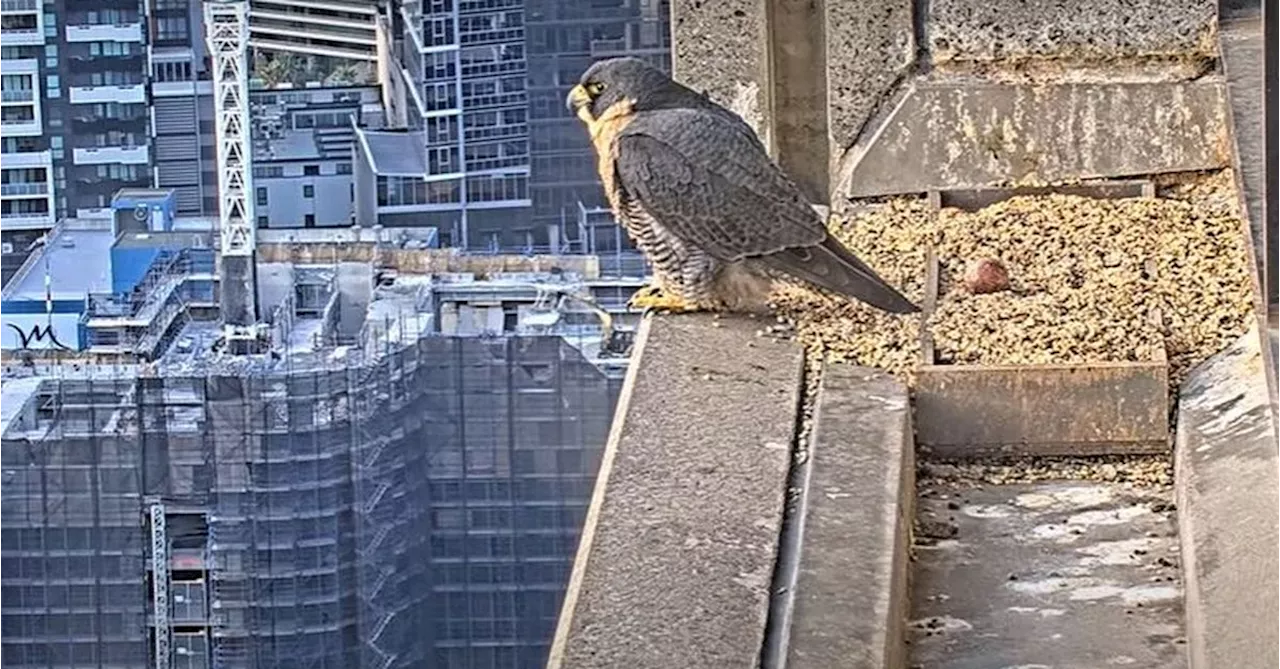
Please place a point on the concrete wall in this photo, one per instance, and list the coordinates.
(964, 30)
(275, 284)
(40, 332)
(355, 290)
(800, 71)
(795, 68)
(720, 48)
(870, 48)
(287, 205)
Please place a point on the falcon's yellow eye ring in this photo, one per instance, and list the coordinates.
(595, 88)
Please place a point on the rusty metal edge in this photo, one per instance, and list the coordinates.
(564, 622)
(1100, 189)
(1048, 368)
(931, 286)
(1031, 447)
(962, 452)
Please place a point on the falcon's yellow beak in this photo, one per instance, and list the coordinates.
(579, 102)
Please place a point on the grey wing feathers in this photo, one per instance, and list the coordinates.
(709, 184)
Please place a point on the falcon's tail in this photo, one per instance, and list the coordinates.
(829, 265)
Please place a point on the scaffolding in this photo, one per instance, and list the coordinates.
(417, 508)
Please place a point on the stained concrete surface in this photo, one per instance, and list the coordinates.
(1046, 575)
(851, 592)
(720, 47)
(870, 46)
(964, 30)
(677, 554)
(1225, 454)
(946, 135)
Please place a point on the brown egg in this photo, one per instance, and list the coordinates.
(986, 276)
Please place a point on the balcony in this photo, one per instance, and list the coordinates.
(173, 89)
(498, 36)
(492, 68)
(27, 159)
(110, 155)
(472, 103)
(17, 95)
(30, 189)
(478, 6)
(21, 66)
(19, 6)
(481, 133)
(26, 221)
(29, 127)
(126, 94)
(21, 37)
(122, 32)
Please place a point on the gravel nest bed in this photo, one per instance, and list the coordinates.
(1093, 280)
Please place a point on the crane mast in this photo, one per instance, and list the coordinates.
(227, 33)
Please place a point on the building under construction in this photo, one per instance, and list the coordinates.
(397, 480)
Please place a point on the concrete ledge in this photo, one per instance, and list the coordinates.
(677, 555)
(851, 597)
(1226, 459)
(947, 136)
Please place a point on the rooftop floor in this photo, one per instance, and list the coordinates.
(77, 270)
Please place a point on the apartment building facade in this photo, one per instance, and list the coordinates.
(111, 94)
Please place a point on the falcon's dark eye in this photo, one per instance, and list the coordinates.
(595, 88)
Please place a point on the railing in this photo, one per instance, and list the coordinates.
(492, 37)
(17, 121)
(24, 215)
(608, 46)
(500, 100)
(18, 95)
(469, 6)
(19, 6)
(491, 68)
(24, 189)
(497, 132)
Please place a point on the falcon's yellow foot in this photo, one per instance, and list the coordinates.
(654, 297)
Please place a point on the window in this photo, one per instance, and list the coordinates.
(311, 170)
(179, 71)
(171, 28)
(261, 196)
(343, 168)
(262, 221)
(308, 191)
(309, 221)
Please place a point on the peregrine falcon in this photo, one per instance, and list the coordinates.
(698, 194)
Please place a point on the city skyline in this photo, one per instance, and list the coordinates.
(103, 96)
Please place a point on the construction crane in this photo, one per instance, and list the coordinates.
(227, 34)
(612, 341)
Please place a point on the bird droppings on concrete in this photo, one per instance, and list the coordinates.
(1092, 280)
(1024, 598)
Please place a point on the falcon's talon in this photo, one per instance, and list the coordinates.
(652, 298)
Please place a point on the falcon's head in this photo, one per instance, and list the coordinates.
(625, 80)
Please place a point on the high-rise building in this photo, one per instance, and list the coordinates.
(461, 163)
(562, 39)
(27, 194)
(116, 94)
(343, 30)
